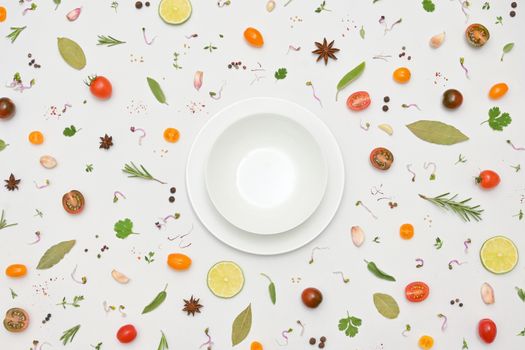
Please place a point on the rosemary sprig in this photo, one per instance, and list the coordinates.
(163, 345)
(465, 211)
(3, 222)
(109, 41)
(15, 33)
(132, 171)
(69, 335)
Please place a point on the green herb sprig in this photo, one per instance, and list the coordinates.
(350, 325)
(124, 228)
(109, 41)
(163, 345)
(280, 73)
(74, 303)
(461, 208)
(3, 222)
(497, 120)
(69, 335)
(15, 32)
(133, 171)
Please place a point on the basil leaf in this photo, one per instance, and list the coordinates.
(241, 325)
(350, 77)
(72, 53)
(156, 90)
(54, 254)
(386, 305)
(437, 132)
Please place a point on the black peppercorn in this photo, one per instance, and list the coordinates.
(173, 190)
(229, 66)
(321, 345)
(514, 5)
(147, 4)
(138, 5)
(322, 339)
(452, 302)
(460, 304)
(512, 13)
(386, 99)
(385, 108)
(172, 199)
(312, 341)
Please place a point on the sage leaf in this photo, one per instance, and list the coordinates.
(437, 132)
(350, 77)
(72, 53)
(506, 49)
(155, 303)
(386, 305)
(54, 254)
(241, 325)
(156, 90)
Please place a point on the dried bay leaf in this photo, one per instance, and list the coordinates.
(386, 305)
(53, 255)
(241, 325)
(156, 90)
(437, 132)
(72, 53)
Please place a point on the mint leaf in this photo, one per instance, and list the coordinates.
(124, 228)
(280, 73)
(497, 120)
(428, 5)
(350, 325)
(70, 131)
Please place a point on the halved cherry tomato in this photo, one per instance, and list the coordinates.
(179, 261)
(426, 342)
(36, 137)
(16, 320)
(488, 179)
(171, 135)
(401, 75)
(127, 333)
(406, 231)
(73, 202)
(381, 158)
(16, 270)
(253, 37)
(487, 330)
(417, 292)
(498, 90)
(358, 101)
(477, 34)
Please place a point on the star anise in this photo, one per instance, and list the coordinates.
(325, 51)
(192, 306)
(12, 183)
(106, 142)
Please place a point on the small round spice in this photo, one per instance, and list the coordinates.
(138, 5)
(322, 339)
(172, 199)
(147, 4)
(312, 341)
(321, 345)
(514, 5)
(460, 304)
(385, 108)
(386, 99)
(173, 190)
(512, 13)
(452, 302)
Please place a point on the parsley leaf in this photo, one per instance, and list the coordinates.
(70, 131)
(428, 5)
(280, 73)
(498, 120)
(350, 325)
(124, 228)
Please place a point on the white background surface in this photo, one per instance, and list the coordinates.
(57, 83)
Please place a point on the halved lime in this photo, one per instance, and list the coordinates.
(175, 11)
(499, 255)
(225, 279)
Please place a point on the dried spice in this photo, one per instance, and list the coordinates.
(386, 305)
(55, 254)
(12, 183)
(437, 132)
(325, 51)
(72, 53)
(192, 306)
(241, 325)
(106, 142)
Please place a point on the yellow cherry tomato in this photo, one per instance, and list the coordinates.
(406, 231)
(401, 75)
(498, 91)
(16, 270)
(179, 261)
(253, 37)
(36, 137)
(3, 13)
(426, 342)
(171, 135)
(256, 346)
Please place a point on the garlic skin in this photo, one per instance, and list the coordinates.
(487, 294)
(74, 14)
(358, 236)
(197, 80)
(386, 128)
(119, 277)
(437, 40)
(270, 5)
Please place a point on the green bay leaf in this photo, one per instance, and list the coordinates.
(437, 132)
(241, 325)
(156, 90)
(72, 53)
(350, 77)
(54, 254)
(386, 305)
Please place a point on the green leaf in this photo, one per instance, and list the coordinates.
(350, 77)
(163, 345)
(428, 5)
(350, 325)
(3, 145)
(508, 47)
(156, 90)
(437, 132)
(362, 32)
(521, 294)
(124, 228)
(280, 73)
(155, 303)
(54, 254)
(497, 120)
(241, 325)
(386, 305)
(72, 53)
(70, 131)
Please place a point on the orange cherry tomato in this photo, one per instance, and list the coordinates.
(36, 137)
(253, 37)
(16, 270)
(401, 75)
(256, 346)
(406, 231)
(171, 135)
(3, 13)
(497, 91)
(426, 342)
(179, 261)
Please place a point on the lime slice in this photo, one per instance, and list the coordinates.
(499, 255)
(225, 279)
(175, 11)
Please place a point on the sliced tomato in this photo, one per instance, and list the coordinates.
(358, 101)
(417, 292)
(73, 202)
(16, 320)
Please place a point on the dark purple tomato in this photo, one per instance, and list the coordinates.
(452, 99)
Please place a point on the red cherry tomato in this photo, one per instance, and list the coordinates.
(487, 330)
(127, 333)
(100, 87)
(73, 202)
(381, 158)
(358, 101)
(416, 292)
(488, 179)
(312, 297)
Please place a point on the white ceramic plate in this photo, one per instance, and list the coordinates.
(266, 173)
(234, 236)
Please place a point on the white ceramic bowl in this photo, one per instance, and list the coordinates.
(266, 173)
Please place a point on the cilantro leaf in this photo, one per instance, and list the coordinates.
(498, 120)
(428, 5)
(70, 131)
(350, 325)
(124, 228)
(280, 73)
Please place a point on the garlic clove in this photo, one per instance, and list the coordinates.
(119, 277)
(358, 236)
(487, 294)
(48, 162)
(270, 5)
(197, 80)
(74, 14)
(437, 40)
(386, 128)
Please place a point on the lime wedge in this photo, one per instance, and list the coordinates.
(225, 279)
(175, 11)
(499, 255)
